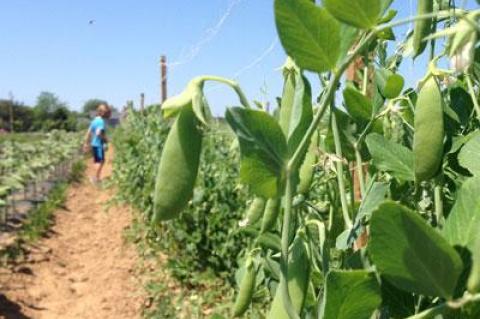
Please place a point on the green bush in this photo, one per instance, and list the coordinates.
(204, 237)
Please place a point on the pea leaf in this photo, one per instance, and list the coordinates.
(385, 4)
(398, 303)
(470, 154)
(350, 295)
(463, 223)
(263, 149)
(357, 104)
(461, 103)
(309, 34)
(391, 157)
(362, 14)
(411, 254)
(348, 38)
(302, 114)
(376, 194)
(473, 283)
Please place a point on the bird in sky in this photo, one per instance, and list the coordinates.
(91, 22)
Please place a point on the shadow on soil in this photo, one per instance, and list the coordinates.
(10, 309)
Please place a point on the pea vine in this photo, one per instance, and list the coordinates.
(365, 205)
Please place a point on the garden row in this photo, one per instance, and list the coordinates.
(29, 169)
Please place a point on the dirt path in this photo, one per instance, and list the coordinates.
(83, 270)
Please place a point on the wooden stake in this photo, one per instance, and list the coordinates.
(163, 82)
(142, 102)
(11, 111)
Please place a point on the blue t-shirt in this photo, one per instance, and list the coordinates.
(97, 127)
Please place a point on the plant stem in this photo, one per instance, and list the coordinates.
(287, 301)
(430, 312)
(471, 90)
(327, 98)
(340, 175)
(438, 14)
(440, 309)
(358, 156)
(233, 84)
(359, 166)
(438, 203)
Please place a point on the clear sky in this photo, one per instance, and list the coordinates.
(49, 45)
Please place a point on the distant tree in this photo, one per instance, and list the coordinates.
(22, 116)
(91, 105)
(47, 104)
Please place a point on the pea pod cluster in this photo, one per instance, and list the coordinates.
(255, 211)
(178, 167)
(297, 280)
(429, 131)
(270, 216)
(422, 27)
(308, 167)
(246, 289)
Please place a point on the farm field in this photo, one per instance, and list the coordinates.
(84, 273)
(347, 190)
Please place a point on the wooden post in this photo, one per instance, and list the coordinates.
(142, 102)
(10, 109)
(353, 76)
(163, 74)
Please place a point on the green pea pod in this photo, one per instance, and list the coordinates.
(288, 95)
(272, 210)
(178, 167)
(429, 131)
(246, 289)
(255, 211)
(175, 104)
(298, 279)
(473, 284)
(269, 241)
(308, 166)
(422, 27)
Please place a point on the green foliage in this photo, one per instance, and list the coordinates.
(389, 226)
(40, 220)
(48, 114)
(92, 105)
(463, 223)
(391, 157)
(351, 295)
(263, 147)
(411, 254)
(308, 33)
(359, 13)
(204, 236)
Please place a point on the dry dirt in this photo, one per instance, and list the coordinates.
(84, 269)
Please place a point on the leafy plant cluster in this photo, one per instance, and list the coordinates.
(47, 114)
(389, 224)
(24, 166)
(205, 236)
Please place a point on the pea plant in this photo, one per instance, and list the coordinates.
(364, 194)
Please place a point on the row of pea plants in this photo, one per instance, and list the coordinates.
(364, 195)
(204, 238)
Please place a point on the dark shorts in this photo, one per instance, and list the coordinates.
(98, 154)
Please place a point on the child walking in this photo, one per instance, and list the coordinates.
(96, 140)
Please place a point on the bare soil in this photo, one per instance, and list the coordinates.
(82, 269)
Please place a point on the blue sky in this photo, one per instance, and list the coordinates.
(49, 45)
